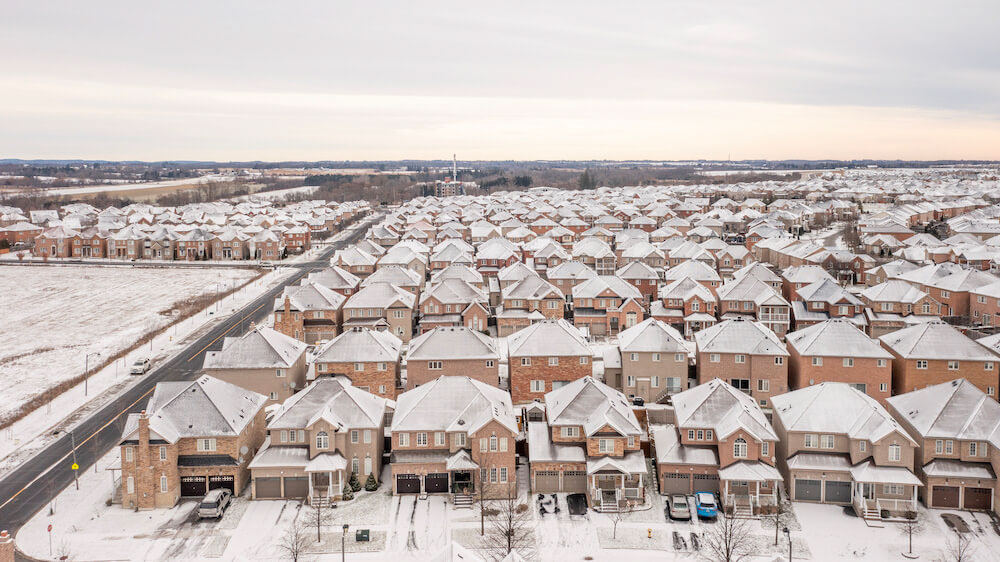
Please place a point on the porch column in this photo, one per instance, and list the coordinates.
(914, 506)
(309, 477)
(329, 484)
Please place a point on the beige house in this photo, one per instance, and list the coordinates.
(383, 307)
(453, 352)
(318, 439)
(262, 360)
(191, 438)
(654, 362)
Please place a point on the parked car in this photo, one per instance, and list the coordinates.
(678, 508)
(705, 505)
(214, 504)
(140, 366)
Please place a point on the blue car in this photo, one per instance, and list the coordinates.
(705, 505)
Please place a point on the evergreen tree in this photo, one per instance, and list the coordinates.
(371, 484)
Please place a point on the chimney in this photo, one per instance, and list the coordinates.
(6, 547)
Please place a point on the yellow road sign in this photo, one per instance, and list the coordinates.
(75, 466)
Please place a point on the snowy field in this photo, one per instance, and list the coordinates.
(55, 316)
(405, 528)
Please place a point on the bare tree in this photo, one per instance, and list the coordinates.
(617, 516)
(293, 542)
(319, 515)
(958, 549)
(483, 494)
(913, 524)
(729, 540)
(510, 526)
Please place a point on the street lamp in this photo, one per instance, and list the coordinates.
(86, 370)
(788, 535)
(343, 541)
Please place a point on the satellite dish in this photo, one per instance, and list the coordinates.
(244, 450)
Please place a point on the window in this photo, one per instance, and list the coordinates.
(631, 441)
(690, 435)
(398, 314)
(713, 357)
(921, 364)
(526, 361)
(988, 366)
(537, 386)
(404, 439)
(983, 449)
(763, 385)
(383, 366)
(701, 435)
(130, 485)
(284, 436)
(128, 454)
(989, 390)
(826, 442)
(886, 306)
(381, 389)
(206, 444)
(630, 380)
(859, 386)
(483, 444)
(817, 361)
(765, 449)
(880, 363)
(163, 483)
(460, 440)
(493, 475)
(740, 448)
(848, 361)
(945, 294)
(949, 447)
(493, 443)
(862, 446)
(503, 473)
(972, 449)
(811, 441)
(938, 447)
(434, 365)
(895, 453)
(439, 439)
(359, 366)
(584, 360)
(708, 434)
(354, 465)
(654, 381)
(503, 444)
(368, 436)
(570, 431)
(952, 365)
(892, 489)
(605, 446)
(273, 395)
(553, 361)
(679, 357)
(634, 357)
(489, 363)
(656, 357)
(421, 439)
(163, 453)
(779, 360)
(280, 373)
(354, 436)
(741, 358)
(883, 387)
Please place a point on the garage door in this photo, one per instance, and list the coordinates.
(706, 483)
(674, 483)
(944, 496)
(296, 486)
(436, 483)
(808, 490)
(838, 492)
(977, 498)
(227, 482)
(193, 486)
(546, 481)
(575, 481)
(407, 484)
(267, 488)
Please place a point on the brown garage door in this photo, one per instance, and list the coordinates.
(296, 486)
(407, 484)
(706, 483)
(944, 496)
(193, 486)
(977, 498)
(227, 482)
(546, 481)
(675, 483)
(575, 481)
(267, 488)
(436, 483)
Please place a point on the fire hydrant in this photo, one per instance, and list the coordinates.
(649, 533)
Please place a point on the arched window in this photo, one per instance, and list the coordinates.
(740, 448)
(322, 440)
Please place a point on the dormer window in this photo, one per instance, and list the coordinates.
(322, 440)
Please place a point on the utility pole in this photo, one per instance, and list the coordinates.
(76, 473)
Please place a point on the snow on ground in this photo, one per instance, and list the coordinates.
(133, 186)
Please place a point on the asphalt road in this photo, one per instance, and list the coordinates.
(30, 487)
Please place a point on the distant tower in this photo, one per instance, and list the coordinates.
(454, 167)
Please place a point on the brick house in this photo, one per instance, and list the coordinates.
(747, 355)
(949, 284)
(317, 440)
(895, 304)
(837, 351)
(453, 302)
(796, 277)
(545, 356)
(454, 436)
(530, 300)
(654, 362)
(89, 243)
(20, 233)
(369, 358)
(569, 274)
(336, 279)
(397, 276)
(454, 351)
(825, 299)
(686, 305)
(606, 305)
(935, 352)
(954, 424)
(984, 304)
(297, 239)
(643, 277)
(230, 244)
(262, 360)
(837, 444)
(384, 306)
(309, 312)
(719, 441)
(590, 444)
(355, 260)
(750, 297)
(193, 436)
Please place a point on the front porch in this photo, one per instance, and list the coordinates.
(883, 492)
(749, 489)
(327, 475)
(616, 482)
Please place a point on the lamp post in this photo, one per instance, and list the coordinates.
(343, 541)
(86, 371)
(788, 535)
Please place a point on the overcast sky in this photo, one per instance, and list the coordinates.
(500, 80)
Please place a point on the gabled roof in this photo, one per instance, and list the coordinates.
(828, 291)
(936, 340)
(452, 343)
(260, 348)
(717, 405)
(836, 337)
(548, 338)
(380, 295)
(360, 345)
(951, 410)
(894, 290)
(594, 288)
(836, 407)
(453, 404)
(593, 405)
(651, 335)
(739, 336)
(335, 400)
(532, 287)
(309, 295)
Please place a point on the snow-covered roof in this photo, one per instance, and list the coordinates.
(651, 335)
(260, 348)
(548, 338)
(453, 403)
(335, 400)
(669, 449)
(951, 410)
(542, 449)
(936, 340)
(360, 345)
(835, 407)
(739, 336)
(836, 337)
(453, 342)
(593, 405)
(718, 406)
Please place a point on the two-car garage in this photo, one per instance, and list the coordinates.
(431, 483)
(958, 497)
(552, 481)
(828, 491)
(270, 488)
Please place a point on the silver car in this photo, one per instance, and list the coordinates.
(214, 504)
(679, 509)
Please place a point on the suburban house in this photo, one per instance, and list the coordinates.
(751, 297)
(369, 358)
(654, 362)
(823, 300)
(193, 436)
(687, 305)
(337, 279)
(606, 305)
(955, 424)
(262, 360)
(309, 312)
(837, 351)
(381, 306)
(719, 441)
(839, 445)
(453, 302)
(569, 274)
(895, 304)
(747, 355)
(452, 352)
(456, 436)
(545, 356)
(935, 352)
(317, 439)
(590, 444)
(528, 301)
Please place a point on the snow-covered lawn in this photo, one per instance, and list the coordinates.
(54, 316)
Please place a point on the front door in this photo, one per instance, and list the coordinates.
(868, 491)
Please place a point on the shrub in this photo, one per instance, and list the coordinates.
(355, 485)
(371, 484)
(348, 492)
